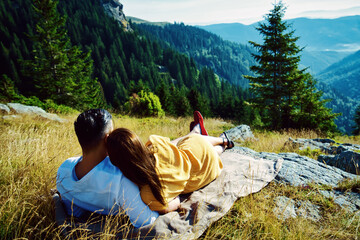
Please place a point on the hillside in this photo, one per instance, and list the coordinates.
(318, 36)
(230, 61)
(340, 103)
(344, 76)
(124, 61)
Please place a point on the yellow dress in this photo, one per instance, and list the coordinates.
(184, 168)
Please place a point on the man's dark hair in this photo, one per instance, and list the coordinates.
(91, 127)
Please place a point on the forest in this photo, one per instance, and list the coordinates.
(183, 68)
(125, 63)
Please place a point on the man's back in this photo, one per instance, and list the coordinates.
(103, 190)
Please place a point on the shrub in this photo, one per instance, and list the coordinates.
(144, 104)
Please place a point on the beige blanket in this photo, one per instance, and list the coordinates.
(241, 176)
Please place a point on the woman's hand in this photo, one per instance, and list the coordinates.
(172, 206)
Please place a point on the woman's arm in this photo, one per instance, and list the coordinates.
(172, 206)
(130, 201)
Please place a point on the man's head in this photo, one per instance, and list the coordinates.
(91, 127)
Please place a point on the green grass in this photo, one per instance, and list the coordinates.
(32, 150)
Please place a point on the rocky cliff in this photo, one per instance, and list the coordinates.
(115, 9)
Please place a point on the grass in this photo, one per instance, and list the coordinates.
(33, 149)
(274, 141)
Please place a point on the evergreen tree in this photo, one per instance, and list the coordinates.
(61, 72)
(283, 92)
(357, 122)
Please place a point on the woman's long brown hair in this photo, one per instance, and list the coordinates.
(137, 163)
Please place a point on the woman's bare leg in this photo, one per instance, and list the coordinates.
(219, 143)
(196, 130)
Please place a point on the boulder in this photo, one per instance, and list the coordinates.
(345, 156)
(289, 208)
(348, 200)
(240, 133)
(4, 109)
(34, 111)
(346, 160)
(285, 208)
(300, 171)
(23, 109)
(324, 145)
(308, 210)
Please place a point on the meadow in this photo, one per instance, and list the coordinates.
(32, 149)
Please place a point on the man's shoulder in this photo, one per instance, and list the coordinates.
(70, 162)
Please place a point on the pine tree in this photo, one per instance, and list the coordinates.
(283, 92)
(61, 72)
(357, 122)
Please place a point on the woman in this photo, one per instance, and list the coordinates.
(164, 169)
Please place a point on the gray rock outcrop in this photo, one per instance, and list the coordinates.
(289, 208)
(114, 9)
(21, 109)
(299, 170)
(347, 160)
(324, 145)
(240, 133)
(348, 200)
(4, 109)
(342, 155)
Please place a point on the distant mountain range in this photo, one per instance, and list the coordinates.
(326, 41)
(231, 61)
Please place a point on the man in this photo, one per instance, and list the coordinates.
(91, 182)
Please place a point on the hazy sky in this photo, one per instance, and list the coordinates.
(202, 12)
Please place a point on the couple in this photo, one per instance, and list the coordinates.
(118, 173)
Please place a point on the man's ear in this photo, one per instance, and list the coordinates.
(106, 137)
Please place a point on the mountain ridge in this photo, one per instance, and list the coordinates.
(316, 35)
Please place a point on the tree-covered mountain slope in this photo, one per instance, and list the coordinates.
(124, 62)
(344, 76)
(230, 61)
(326, 41)
(341, 103)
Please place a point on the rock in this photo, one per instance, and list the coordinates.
(344, 156)
(285, 208)
(23, 109)
(35, 111)
(349, 200)
(288, 208)
(10, 117)
(4, 109)
(241, 132)
(116, 3)
(324, 145)
(308, 210)
(322, 140)
(114, 9)
(346, 160)
(300, 170)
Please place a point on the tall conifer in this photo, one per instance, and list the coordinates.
(283, 92)
(61, 72)
(357, 122)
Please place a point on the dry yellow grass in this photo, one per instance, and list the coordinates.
(33, 149)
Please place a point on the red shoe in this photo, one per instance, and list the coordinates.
(198, 119)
